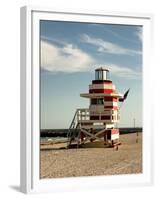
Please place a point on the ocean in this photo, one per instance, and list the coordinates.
(55, 139)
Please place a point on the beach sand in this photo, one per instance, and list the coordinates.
(93, 159)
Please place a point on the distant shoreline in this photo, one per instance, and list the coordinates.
(63, 132)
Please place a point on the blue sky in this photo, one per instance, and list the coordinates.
(71, 51)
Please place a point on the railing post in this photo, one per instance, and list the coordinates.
(100, 116)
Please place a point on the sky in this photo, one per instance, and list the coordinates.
(69, 54)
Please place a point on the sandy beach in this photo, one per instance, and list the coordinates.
(93, 159)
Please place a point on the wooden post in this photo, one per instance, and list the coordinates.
(105, 138)
(137, 137)
(78, 138)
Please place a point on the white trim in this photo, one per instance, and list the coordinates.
(36, 100)
(92, 95)
(26, 116)
(30, 181)
(147, 16)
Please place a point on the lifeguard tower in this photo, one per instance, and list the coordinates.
(99, 121)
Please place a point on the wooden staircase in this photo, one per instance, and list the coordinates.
(73, 132)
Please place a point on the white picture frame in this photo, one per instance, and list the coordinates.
(30, 180)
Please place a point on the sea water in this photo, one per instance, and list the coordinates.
(55, 139)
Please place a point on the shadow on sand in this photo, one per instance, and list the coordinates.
(15, 187)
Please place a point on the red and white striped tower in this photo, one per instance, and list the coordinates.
(103, 112)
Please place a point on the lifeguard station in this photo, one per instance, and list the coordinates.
(99, 121)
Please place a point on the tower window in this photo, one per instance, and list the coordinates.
(98, 101)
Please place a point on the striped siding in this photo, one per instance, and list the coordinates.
(108, 91)
(107, 106)
(108, 111)
(110, 98)
(111, 107)
(110, 103)
(114, 136)
(102, 86)
(115, 131)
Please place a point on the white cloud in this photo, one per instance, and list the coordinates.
(108, 47)
(64, 59)
(71, 59)
(123, 72)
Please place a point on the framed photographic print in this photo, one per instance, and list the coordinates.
(85, 112)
